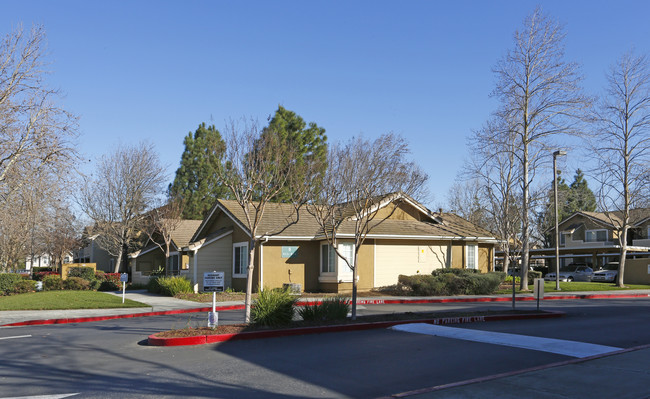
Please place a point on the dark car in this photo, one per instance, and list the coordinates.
(607, 274)
(573, 272)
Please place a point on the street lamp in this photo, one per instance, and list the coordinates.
(557, 232)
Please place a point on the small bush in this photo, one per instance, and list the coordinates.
(76, 284)
(86, 273)
(532, 275)
(8, 282)
(38, 276)
(335, 308)
(169, 286)
(109, 281)
(457, 272)
(24, 286)
(52, 283)
(273, 308)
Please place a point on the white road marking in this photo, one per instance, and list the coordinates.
(17, 336)
(61, 396)
(558, 346)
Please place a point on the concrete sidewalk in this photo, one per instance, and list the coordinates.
(623, 374)
(158, 303)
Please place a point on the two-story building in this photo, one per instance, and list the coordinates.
(593, 238)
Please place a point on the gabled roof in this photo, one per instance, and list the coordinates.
(180, 236)
(613, 219)
(279, 222)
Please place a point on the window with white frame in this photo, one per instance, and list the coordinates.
(596, 235)
(472, 256)
(334, 266)
(239, 259)
(563, 237)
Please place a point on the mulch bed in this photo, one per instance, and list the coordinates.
(240, 328)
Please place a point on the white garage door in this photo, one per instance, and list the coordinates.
(391, 260)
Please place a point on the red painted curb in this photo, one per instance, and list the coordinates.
(208, 339)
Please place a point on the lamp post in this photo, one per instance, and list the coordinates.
(557, 232)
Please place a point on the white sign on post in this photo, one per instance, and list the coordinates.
(213, 282)
(124, 278)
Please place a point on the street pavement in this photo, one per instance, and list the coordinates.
(577, 378)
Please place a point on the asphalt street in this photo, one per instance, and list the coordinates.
(110, 359)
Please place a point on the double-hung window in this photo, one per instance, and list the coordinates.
(334, 267)
(239, 259)
(472, 256)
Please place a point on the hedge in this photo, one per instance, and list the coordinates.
(446, 283)
(8, 281)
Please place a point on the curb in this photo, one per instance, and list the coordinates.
(304, 303)
(153, 340)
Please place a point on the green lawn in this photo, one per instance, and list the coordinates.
(574, 286)
(58, 300)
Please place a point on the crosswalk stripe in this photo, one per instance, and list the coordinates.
(557, 346)
(17, 336)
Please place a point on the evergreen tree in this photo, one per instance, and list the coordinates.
(309, 140)
(580, 198)
(196, 178)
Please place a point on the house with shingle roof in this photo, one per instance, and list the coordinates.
(294, 249)
(151, 256)
(592, 238)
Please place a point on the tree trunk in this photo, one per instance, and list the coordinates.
(525, 226)
(354, 288)
(118, 262)
(621, 261)
(249, 280)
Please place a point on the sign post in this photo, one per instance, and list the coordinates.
(124, 277)
(538, 291)
(213, 282)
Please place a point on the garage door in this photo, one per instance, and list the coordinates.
(391, 260)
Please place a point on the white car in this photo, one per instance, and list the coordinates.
(573, 272)
(607, 274)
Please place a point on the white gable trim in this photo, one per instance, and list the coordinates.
(223, 209)
(195, 246)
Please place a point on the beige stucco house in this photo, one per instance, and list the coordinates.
(411, 240)
(151, 256)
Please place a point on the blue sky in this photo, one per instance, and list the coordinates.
(154, 70)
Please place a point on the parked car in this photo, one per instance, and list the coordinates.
(607, 273)
(573, 272)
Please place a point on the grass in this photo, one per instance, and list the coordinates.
(61, 300)
(575, 286)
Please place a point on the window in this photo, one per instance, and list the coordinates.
(173, 265)
(329, 260)
(648, 235)
(239, 259)
(595, 235)
(472, 256)
(563, 237)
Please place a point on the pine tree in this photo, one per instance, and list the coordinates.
(580, 198)
(311, 142)
(196, 180)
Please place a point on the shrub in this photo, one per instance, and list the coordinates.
(86, 273)
(453, 283)
(38, 276)
(76, 284)
(532, 275)
(273, 308)
(37, 269)
(8, 281)
(24, 286)
(457, 272)
(335, 308)
(170, 286)
(52, 283)
(109, 281)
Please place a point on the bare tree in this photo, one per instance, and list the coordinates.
(495, 170)
(362, 177)
(35, 133)
(61, 233)
(125, 185)
(258, 168)
(541, 98)
(465, 198)
(622, 145)
(161, 222)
